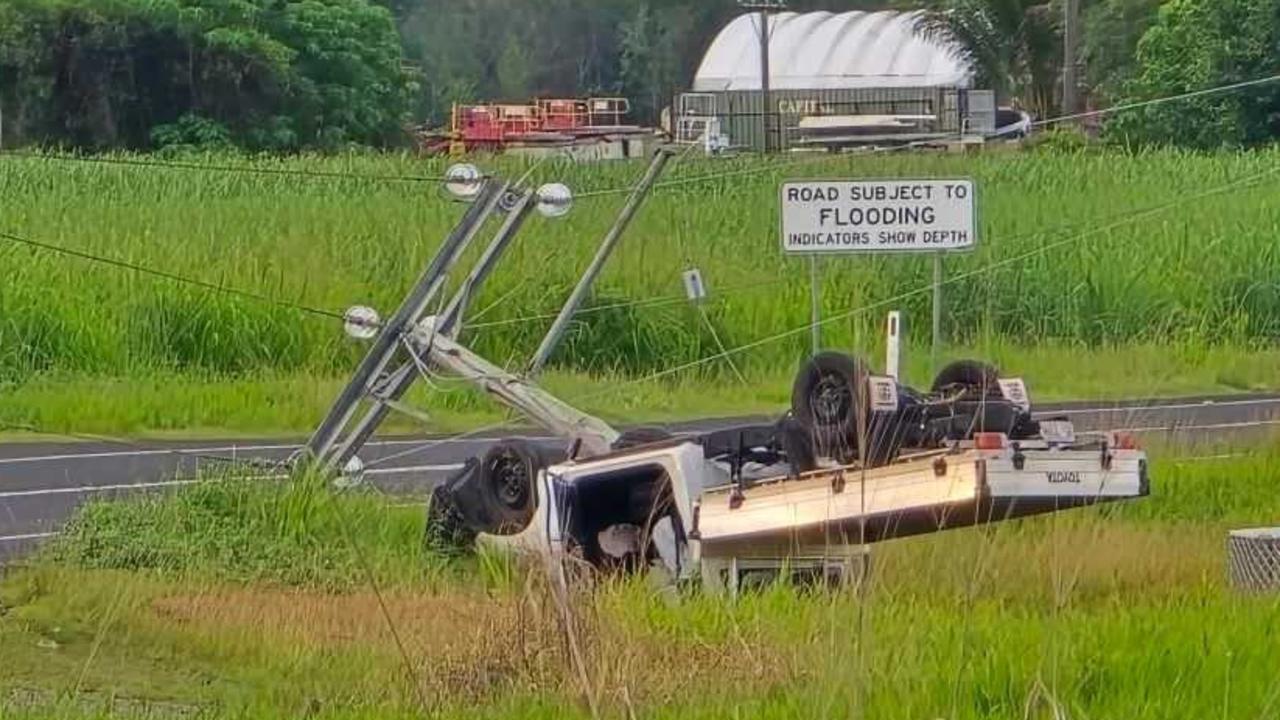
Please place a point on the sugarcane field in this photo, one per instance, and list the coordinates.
(639, 359)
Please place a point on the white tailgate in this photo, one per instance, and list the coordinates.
(1066, 473)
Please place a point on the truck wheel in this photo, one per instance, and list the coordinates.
(507, 474)
(636, 437)
(447, 533)
(969, 374)
(827, 399)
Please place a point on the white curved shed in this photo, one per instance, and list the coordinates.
(822, 50)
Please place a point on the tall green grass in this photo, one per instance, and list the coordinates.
(238, 528)
(1118, 611)
(1205, 271)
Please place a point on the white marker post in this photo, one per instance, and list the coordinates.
(815, 305)
(694, 288)
(893, 346)
(938, 216)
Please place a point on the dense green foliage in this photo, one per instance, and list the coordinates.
(268, 75)
(256, 73)
(647, 50)
(1013, 44)
(1110, 36)
(1197, 44)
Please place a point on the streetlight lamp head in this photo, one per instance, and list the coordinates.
(555, 200)
(463, 181)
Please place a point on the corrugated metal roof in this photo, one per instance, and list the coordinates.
(822, 50)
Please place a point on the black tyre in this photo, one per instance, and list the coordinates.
(970, 375)
(506, 483)
(635, 437)
(447, 532)
(828, 400)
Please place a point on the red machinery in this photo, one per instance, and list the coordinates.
(553, 122)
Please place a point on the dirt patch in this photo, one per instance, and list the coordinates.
(1071, 560)
(476, 644)
(322, 619)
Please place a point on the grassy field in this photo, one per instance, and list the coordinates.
(235, 600)
(1138, 263)
(289, 405)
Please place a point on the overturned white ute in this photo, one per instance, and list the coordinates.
(858, 459)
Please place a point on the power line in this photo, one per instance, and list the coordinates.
(709, 177)
(324, 174)
(1158, 101)
(143, 270)
(213, 287)
(752, 170)
(200, 167)
(379, 177)
(648, 302)
(435, 442)
(1127, 219)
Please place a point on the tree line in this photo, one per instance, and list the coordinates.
(285, 75)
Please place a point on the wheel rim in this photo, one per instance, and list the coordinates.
(510, 479)
(831, 400)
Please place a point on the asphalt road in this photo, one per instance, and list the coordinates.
(42, 483)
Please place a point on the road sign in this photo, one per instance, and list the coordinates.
(877, 216)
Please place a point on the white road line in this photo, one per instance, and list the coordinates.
(454, 441)
(86, 489)
(1216, 426)
(240, 448)
(142, 453)
(1157, 408)
(1210, 458)
(30, 536)
(416, 468)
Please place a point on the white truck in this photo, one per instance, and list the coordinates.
(859, 459)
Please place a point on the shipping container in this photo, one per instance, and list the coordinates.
(836, 117)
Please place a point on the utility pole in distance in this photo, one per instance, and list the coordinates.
(765, 8)
(1070, 50)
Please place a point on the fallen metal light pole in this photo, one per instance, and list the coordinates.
(421, 341)
(387, 393)
(386, 344)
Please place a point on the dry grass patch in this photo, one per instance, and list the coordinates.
(1066, 559)
(471, 645)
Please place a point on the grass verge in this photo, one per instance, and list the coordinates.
(292, 404)
(243, 600)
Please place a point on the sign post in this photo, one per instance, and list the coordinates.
(815, 305)
(936, 347)
(833, 217)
